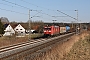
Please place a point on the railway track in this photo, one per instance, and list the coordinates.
(29, 47)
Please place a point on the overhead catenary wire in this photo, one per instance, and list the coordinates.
(26, 7)
(6, 4)
(66, 14)
(36, 10)
(16, 4)
(14, 11)
(35, 5)
(38, 6)
(50, 10)
(21, 6)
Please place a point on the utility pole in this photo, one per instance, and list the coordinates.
(72, 23)
(80, 27)
(29, 27)
(77, 26)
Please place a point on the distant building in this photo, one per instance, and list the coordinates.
(9, 31)
(19, 30)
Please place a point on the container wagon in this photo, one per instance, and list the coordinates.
(68, 29)
(62, 30)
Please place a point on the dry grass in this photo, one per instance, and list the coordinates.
(80, 50)
(4, 41)
(60, 51)
(9, 40)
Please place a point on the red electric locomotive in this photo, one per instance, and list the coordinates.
(51, 30)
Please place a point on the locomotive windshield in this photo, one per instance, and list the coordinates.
(47, 28)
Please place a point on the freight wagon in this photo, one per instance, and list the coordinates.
(68, 29)
(62, 30)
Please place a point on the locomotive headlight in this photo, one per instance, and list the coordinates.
(44, 31)
(49, 31)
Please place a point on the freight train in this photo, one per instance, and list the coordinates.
(56, 30)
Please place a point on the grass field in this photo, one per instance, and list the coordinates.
(80, 50)
(9, 40)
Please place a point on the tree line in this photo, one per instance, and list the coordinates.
(1, 27)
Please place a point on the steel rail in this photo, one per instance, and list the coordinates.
(6, 48)
(16, 48)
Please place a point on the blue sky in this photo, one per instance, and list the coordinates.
(17, 10)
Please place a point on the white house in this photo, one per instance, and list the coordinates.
(9, 31)
(20, 30)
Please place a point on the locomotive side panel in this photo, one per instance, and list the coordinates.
(55, 30)
(52, 30)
